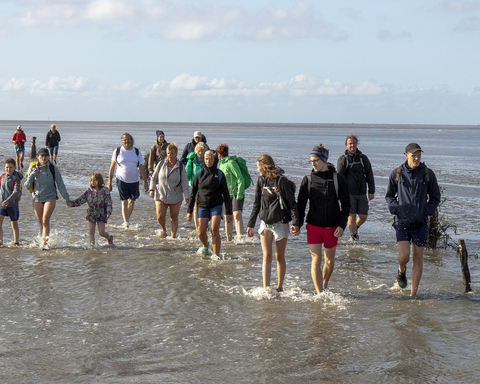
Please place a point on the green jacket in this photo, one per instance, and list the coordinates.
(192, 167)
(233, 175)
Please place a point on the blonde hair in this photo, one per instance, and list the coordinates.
(269, 165)
(172, 147)
(200, 146)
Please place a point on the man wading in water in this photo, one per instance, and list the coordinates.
(412, 196)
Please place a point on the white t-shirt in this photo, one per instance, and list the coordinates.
(127, 165)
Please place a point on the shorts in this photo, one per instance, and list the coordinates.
(128, 191)
(208, 213)
(416, 233)
(321, 235)
(280, 230)
(359, 204)
(237, 204)
(19, 148)
(12, 212)
(53, 151)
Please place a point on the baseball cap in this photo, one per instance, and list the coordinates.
(412, 148)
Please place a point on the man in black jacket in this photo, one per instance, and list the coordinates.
(357, 170)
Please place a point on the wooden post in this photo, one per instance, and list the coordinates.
(463, 253)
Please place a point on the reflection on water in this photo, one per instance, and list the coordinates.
(152, 310)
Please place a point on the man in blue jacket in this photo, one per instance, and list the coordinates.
(412, 196)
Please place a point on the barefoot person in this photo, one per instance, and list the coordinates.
(99, 207)
(271, 186)
(412, 195)
(169, 185)
(357, 170)
(326, 219)
(10, 194)
(126, 159)
(43, 179)
(210, 186)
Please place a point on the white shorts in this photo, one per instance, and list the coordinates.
(280, 230)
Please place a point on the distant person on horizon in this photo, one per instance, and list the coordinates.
(357, 170)
(18, 141)
(126, 159)
(51, 143)
(190, 147)
(158, 152)
(412, 195)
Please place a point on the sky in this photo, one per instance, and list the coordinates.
(342, 61)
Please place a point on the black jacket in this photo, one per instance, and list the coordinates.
(324, 210)
(414, 196)
(358, 176)
(190, 147)
(210, 190)
(264, 198)
(52, 139)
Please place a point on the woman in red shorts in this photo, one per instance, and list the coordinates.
(326, 218)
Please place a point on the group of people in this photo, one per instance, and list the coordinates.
(212, 183)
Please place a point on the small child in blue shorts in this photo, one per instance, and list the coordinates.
(10, 193)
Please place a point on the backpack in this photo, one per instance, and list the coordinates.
(335, 183)
(277, 211)
(242, 164)
(117, 151)
(14, 181)
(399, 172)
(52, 171)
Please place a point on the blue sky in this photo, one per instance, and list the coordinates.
(391, 61)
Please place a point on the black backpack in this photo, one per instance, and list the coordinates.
(278, 210)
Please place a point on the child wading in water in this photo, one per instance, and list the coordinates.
(99, 207)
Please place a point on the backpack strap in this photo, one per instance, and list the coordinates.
(397, 175)
(335, 183)
(117, 151)
(52, 170)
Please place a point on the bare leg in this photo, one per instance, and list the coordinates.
(102, 232)
(417, 269)
(127, 209)
(202, 230)
(403, 254)
(216, 240)
(161, 214)
(91, 233)
(360, 220)
(280, 246)
(1, 228)
(237, 216)
(21, 158)
(15, 231)
(229, 230)
(266, 238)
(44, 212)
(329, 264)
(352, 225)
(174, 212)
(316, 267)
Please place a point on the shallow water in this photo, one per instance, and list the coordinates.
(152, 310)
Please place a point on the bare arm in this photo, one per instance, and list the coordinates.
(110, 175)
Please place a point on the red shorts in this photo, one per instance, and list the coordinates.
(321, 235)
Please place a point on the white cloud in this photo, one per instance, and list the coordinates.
(385, 35)
(468, 24)
(461, 6)
(178, 20)
(53, 86)
(100, 10)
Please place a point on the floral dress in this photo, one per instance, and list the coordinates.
(99, 204)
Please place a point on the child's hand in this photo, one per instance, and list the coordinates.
(70, 204)
(5, 203)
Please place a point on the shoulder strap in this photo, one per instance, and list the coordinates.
(52, 170)
(117, 151)
(397, 175)
(1, 176)
(335, 183)
(427, 174)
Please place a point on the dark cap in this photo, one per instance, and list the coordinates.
(412, 148)
(42, 151)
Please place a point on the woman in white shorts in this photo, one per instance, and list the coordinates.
(276, 206)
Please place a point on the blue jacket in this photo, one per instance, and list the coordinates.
(412, 198)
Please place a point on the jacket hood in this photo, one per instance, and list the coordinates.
(410, 170)
(192, 156)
